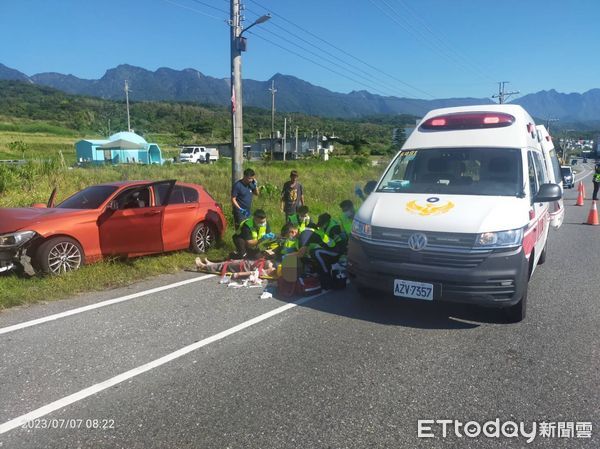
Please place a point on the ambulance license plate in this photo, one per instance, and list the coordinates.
(415, 290)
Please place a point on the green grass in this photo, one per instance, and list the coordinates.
(325, 184)
(37, 127)
(39, 145)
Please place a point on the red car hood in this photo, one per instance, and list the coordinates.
(20, 218)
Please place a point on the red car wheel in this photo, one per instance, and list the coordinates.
(203, 238)
(59, 255)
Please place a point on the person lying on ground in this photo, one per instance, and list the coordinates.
(240, 268)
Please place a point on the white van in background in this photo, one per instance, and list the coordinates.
(557, 208)
(461, 214)
(200, 155)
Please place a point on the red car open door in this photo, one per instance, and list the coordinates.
(132, 223)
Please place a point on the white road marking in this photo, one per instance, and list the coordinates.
(109, 302)
(86, 392)
(583, 177)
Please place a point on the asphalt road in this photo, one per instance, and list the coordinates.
(332, 372)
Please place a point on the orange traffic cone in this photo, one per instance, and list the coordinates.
(579, 197)
(593, 216)
(582, 188)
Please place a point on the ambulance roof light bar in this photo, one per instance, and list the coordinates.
(468, 120)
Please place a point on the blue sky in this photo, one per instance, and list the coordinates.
(413, 48)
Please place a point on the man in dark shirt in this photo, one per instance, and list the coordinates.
(241, 196)
(292, 195)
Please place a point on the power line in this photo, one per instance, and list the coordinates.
(397, 18)
(443, 40)
(208, 5)
(295, 53)
(355, 73)
(193, 9)
(355, 69)
(378, 70)
(367, 85)
(317, 63)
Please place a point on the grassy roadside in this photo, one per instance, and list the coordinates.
(43, 141)
(325, 184)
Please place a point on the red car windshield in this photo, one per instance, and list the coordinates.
(90, 198)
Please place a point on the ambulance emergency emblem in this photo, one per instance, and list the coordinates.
(432, 207)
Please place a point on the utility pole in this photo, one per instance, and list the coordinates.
(238, 45)
(127, 101)
(284, 136)
(273, 91)
(237, 127)
(296, 147)
(502, 95)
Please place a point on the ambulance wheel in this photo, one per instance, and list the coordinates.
(364, 292)
(516, 313)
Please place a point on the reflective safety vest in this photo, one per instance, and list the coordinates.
(326, 241)
(295, 220)
(257, 234)
(289, 246)
(596, 177)
(340, 238)
(324, 237)
(346, 224)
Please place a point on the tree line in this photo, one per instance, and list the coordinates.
(176, 122)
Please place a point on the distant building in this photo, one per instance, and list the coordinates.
(120, 148)
(307, 146)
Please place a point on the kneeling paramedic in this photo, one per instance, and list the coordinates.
(348, 212)
(289, 240)
(301, 219)
(251, 234)
(332, 229)
(317, 249)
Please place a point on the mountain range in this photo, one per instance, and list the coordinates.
(293, 94)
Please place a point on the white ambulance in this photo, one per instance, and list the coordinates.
(557, 208)
(461, 214)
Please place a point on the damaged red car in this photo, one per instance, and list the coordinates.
(120, 219)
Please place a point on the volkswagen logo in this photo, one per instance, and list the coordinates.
(417, 241)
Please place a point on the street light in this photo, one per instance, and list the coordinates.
(238, 45)
(261, 19)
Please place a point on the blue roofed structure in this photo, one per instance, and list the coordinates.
(121, 148)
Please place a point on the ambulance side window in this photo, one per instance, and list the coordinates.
(539, 168)
(533, 185)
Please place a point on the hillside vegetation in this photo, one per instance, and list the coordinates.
(29, 108)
